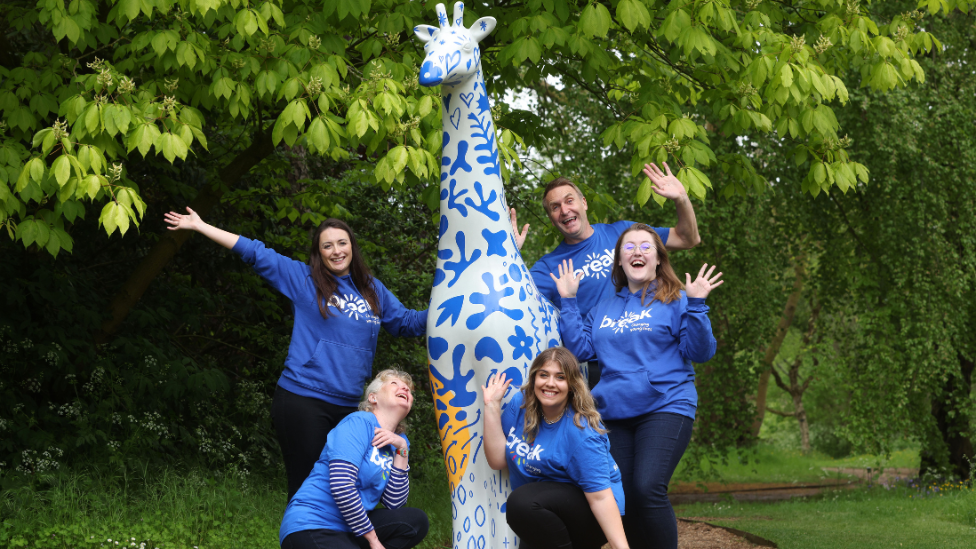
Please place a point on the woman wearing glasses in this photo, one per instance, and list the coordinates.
(646, 336)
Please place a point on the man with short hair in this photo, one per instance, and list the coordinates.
(591, 246)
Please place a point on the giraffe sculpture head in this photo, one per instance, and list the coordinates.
(452, 52)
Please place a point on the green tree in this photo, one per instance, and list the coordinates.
(896, 259)
(91, 88)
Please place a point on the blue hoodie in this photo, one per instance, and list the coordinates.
(646, 352)
(330, 359)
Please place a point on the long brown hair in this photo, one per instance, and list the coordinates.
(580, 399)
(326, 283)
(668, 285)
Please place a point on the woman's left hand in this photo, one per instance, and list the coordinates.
(382, 437)
(704, 284)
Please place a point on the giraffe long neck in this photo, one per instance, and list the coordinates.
(469, 153)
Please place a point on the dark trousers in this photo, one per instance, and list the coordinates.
(647, 449)
(401, 528)
(301, 425)
(553, 515)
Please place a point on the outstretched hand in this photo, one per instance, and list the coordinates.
(568, 283)
(704, 284)
(178, 222)
(495, 389)
(519, 237)
(663, 183)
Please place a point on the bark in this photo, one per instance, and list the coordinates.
(170, 241)
(784, 325)
(952, 447)
(797, 386)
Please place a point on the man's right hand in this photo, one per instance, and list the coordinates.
(519, 238)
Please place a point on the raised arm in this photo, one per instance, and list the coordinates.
(684, 234)
(192, 222)
(696, 342)
(573, 330)
(494, 438)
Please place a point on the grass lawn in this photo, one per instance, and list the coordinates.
(764, 463)
(855, 519)
(167, 508)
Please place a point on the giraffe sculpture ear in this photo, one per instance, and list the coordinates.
(425, 32)
(482, 28)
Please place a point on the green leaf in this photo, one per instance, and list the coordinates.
(595, 20)
(643, 192)
(819, 172)
(62, 170)
(633, 15)
(36, 166)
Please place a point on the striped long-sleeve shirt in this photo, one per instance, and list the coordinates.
(342, 476)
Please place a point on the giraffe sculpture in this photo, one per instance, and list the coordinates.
(486, 314)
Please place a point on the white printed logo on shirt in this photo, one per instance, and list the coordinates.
(354, 306)
(385, 462)
(597, 265)
(518, 448)
(628, 322)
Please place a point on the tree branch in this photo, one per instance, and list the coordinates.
(171, 241)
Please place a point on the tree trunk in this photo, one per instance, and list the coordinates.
(801, 418)
(169, 242)
(784, 324)
(952, 447)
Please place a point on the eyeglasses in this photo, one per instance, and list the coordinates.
(630, 247)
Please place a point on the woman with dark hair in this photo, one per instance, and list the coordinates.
(646, 336)
(566, 487)
(339, 308)
(363, 464)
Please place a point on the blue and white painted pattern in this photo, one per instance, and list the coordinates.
(486, 314)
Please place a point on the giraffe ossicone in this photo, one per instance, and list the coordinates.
(486, 314)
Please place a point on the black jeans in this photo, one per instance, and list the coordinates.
(301, 425)
(647, 449)
(553, 515)
(401, 528)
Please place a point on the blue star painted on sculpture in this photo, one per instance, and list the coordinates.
(496, 242)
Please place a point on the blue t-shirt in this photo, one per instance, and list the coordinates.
(593, 257)
(313, 507)
(561, 452)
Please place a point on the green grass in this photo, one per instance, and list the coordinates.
(168, 508)
(855, 519)
(765, 463)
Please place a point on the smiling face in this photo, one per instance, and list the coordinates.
(567, 212)
(638, 258)
(395, 393)
(336, 251)
(551, 387)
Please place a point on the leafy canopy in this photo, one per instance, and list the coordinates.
(87, 87)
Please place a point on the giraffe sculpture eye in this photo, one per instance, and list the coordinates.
(468, 47)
